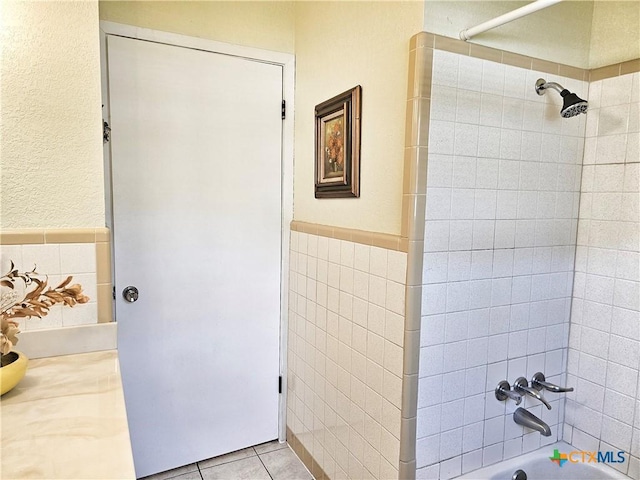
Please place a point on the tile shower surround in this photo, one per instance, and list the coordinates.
(604, 344)
(345, 354)
(503, 186)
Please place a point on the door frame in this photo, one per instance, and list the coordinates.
(287, 62)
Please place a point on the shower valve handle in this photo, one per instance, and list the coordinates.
(539, 382)
(503, 391)
(521, 385)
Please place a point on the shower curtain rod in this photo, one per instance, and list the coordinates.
(506, 18)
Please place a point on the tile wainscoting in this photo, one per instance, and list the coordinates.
(85, 254)
(345, 353)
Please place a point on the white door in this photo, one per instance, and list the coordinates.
(196, 165)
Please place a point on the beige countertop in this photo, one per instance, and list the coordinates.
(66, 420)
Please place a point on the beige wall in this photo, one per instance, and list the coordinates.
(583, 34)
(51, 149)
(338, 46)
(560, 33)
(51, 153)
(50, 133)
(615, 33)
(362, 43)
(260, 24)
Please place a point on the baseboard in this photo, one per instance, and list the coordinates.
(306, 457)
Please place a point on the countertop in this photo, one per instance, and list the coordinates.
(66, 420)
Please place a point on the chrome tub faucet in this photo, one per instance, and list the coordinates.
(503, 391)
(521, 386)
(527, 419)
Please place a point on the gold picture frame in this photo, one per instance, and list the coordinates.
(337, 155)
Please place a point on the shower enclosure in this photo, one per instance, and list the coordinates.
(528, 257)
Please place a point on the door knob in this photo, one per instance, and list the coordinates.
(130, 294)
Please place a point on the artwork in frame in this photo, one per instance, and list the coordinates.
(338, 145)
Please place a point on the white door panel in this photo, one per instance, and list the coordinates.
(196, 164)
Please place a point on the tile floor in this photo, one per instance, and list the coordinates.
(269, 461)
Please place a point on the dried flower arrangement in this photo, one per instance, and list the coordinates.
(20, 300)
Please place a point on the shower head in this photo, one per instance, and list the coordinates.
(572, 104)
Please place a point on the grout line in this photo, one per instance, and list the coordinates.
(199, 471)
(265, 467)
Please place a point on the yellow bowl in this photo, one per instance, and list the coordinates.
(12, 373)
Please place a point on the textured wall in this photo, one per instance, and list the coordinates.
(501, 214)
(615, 33)
(585, 34)
(604, 346)
(51, 154)
(260, 24)
(565, 28)
(340, 45)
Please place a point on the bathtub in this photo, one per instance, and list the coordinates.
(538, 466)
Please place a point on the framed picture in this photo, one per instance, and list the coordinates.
(338, 145)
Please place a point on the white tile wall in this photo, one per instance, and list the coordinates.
(346, 332)
(57, 261)
(502, 206)
(604, 354)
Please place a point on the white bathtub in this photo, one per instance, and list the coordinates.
(538, 466)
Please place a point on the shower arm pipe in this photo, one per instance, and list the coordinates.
(556, 86)
(468, 33)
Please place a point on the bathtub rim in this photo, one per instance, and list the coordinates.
(514, 463)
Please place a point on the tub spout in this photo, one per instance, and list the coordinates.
(527, 419)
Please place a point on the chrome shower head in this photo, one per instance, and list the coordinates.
(572, 104)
